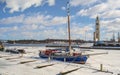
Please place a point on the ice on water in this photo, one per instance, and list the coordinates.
(111, 62)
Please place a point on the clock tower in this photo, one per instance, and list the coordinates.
(97, 30)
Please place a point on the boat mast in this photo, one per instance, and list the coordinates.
(68, 17)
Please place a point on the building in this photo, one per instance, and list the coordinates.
(118, 37)
(97, 30)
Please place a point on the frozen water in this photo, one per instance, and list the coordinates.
(110, 61)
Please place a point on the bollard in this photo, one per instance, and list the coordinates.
(101, 67)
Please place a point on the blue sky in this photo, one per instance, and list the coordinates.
(42, 19)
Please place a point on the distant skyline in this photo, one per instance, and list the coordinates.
(42, 19)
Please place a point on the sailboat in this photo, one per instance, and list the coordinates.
(65, 55)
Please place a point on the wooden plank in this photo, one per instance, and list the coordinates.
(4, 56)
(23, 62)
(14, 58)
(64, 73)
(105, 71)
(42, 66)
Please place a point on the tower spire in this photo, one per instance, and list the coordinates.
(97, 30)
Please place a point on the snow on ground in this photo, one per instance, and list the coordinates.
(110, 61)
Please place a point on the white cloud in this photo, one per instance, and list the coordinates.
(4, 29)
(33, 26)
(81, 2)
(111, 25)
(97, 9)
(63, 8)
(35, 31)
(81, 30)
(108, 27)
(8, 29)
(27, 34)
(111, 14)
(42, 25)
(58, 20)
(113, 4)
(46, 20)
(107, 9)
(30, 27)
(39, 19)
(51, 2)
(21, 5)
(78, 31)
(15, 28)
(56, 33)
(11, 20)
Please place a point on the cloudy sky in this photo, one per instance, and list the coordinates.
(42, 19)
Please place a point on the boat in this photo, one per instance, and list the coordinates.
(68, 55)
(15, 51)
(64, 56)
(1, 47)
